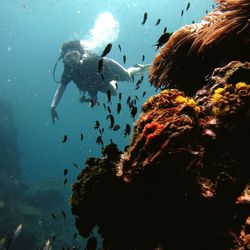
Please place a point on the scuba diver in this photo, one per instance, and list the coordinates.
(91, 73)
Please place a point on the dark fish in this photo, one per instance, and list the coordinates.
(143, 58)
(133, 111)
(124, 59)
(193, 22)
(128, 100)
(144, 93)
(119, 107)
(109, 96)
(136, 97)
(65, 172)
(64, 214)
(74, 237)
(188, 6)
(101, 131)
(91, 244)
(127, 130)
(206, 11)
(213, 6)
(53, 237)
(120, 96)
(112, 121)
(65, 181)
(120, 48)
(116, 127)
(144, 18)
(99, 140)
(158, 22)
(81, 136)
(182, 12)
(104, 105)
(106, 50)
(165, 30)
(133, 78)
(65, 138)
(75, 165)
(162, 40)
(53, 216)
(100, 65)
(97, 125)
(109, 109)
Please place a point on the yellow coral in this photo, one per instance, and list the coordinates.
(189, 101)
(241, 85)
(216, 98)
(219, 91)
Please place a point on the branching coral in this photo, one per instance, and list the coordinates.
(193, 51)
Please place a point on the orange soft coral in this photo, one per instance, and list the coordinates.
(193, 51)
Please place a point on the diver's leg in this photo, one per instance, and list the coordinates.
(138, 69)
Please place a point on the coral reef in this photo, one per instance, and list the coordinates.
(183, 182)
(193, 51)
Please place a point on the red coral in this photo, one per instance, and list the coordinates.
(152, 131)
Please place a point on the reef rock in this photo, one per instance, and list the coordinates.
(183, 182)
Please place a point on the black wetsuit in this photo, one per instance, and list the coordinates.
(88, 79)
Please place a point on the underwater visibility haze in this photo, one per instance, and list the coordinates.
(39, 161)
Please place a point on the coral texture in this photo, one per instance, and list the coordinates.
(183, 182)
(193, 51)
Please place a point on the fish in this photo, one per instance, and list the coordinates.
(162, 40)
(91, 244)
(75, 165)
(65, 181)
(128, 100)
(47, 245)
(193, 22)
(104, 105)
(64, 214)
(81, 136)
(124, 59)
(133, 78)
(213, 6)
(65, 171)
(127, 130)
(101, 131)
(188, 6)
(119, 107)
(158, 22)
(145, 16)
(112, 121)
(97, 125)
(182, 12)
(14, 237)
(100, 65)
(116, 127)
(144, 93)
(99, 140)
(53, 216)
(109, 109)
(165, 30)
(120, 96)
(65, 138)
(74, 236)
(206, 11)
(107, 49)
(109, 96)
(143, 58)
(120, 48)
(133, 111)
(53, 237)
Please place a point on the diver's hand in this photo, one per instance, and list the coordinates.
(54, 115)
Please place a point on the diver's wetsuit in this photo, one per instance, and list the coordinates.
(87, 78)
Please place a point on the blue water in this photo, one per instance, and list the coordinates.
(32, 33)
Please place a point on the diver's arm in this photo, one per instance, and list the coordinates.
(57, 97)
